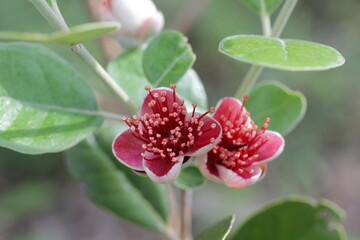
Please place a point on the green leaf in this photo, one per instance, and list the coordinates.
(80, 33)
(286, 108)
(167, 58)
(155, 193)
(270, 5)
(219, 231)
(77, 34)
(287, 54)
(127, 70)
(190, 178)
(40, 99)
(190, 88)
(50, 2)
(295, 218)
(111, 188)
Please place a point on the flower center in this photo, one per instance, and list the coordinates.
(240, 141)
(169, 131)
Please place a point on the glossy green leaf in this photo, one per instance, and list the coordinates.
(50, 2)
(270, 5)
(295, 218)
(110, 187)
(167, 58)
(155, 194)
(287, 54)
(219, 231)
(40, 99)
(127, 70)
(190, 88)
(77, 34)
(286, 108)
(190, 178)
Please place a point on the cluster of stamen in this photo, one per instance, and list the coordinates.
(168, 132)
(240, 141)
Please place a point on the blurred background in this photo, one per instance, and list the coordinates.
(39, 200)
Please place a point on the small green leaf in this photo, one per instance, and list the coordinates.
(167, 58)
(192, 90)
(295, 218)
(270, 5)
(155, 194)
(77, 34)
(190, 178)
(219, 231)
(111, 188)
(287, 54)
(272, 99)
(80, 33)
(127, 70)
(40, 99)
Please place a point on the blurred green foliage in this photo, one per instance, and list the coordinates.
(24, 199)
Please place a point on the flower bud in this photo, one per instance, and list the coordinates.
(140, 20)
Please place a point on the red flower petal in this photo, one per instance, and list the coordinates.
(145, 108)
(211, 135)
(162, 170)
(229, 107)
(127, 149)
(234, 180)
(272, 148)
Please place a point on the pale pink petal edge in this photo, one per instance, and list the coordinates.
(233, 180)
(170, 176)
(277, 153)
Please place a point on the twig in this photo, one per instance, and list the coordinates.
(174, 216)
(58, 23)
(186, 223)
(110, 47)
(283, 17)
(265, 20)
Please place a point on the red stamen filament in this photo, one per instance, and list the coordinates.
(240, 142)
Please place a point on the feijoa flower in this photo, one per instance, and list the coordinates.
(239, 160)
(162, 138)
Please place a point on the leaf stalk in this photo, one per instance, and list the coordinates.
(54, 17)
